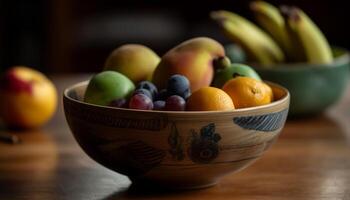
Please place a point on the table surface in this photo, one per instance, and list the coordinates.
(310, 160)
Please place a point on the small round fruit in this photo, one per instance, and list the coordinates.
(140, 102)
(248, 92)
(162, 95)
(28, 99)
(175, 103)
(148, 86)
(143, 91)
(179, 85)
(107, 86)
(159, 105)
(119, 103)
(209, 99)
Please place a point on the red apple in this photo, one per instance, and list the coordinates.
(28, 98)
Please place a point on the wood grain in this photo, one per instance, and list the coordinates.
(310, 160)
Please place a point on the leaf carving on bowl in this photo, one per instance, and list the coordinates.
(176, 144)
(265, 123)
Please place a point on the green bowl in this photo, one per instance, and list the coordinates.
(313, 88)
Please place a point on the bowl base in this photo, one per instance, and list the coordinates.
(149, 184)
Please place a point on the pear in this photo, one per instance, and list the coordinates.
(135, 61)
(194, 58)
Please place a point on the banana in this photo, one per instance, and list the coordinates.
(307, 37)
(271, 20)
(259, 46)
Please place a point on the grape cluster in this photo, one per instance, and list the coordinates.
(147, 97)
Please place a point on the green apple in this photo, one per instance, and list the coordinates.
(234, 70)
(108, 86)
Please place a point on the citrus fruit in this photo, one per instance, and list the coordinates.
(248, 92)
(209, 99)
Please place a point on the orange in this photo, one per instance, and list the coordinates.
(248, 92)
(209, 99)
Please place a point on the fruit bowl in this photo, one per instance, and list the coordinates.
(179, 150)
(313, 88)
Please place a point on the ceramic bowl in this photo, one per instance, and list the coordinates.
(179, 150)
(313, 88)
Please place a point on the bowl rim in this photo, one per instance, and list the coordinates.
(285, 98)
(339, 61)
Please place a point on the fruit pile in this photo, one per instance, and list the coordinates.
(193, 76)
(287, 35)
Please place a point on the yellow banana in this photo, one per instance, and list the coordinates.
(307, 37)
(271, 20)
(259, 46)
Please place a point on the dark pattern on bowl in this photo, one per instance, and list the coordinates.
(204, 147)
(266, 123)
(176, 144)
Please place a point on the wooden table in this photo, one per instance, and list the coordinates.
(311, 160)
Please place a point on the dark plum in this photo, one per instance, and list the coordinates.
(143, 91)
(148, 86)
(179, 85)
(158, 105)
(140, 102)
(175, 103)
(162, 95)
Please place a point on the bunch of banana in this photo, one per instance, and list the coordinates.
(259, 46)
(292, 35)
(271, 20)
(308, 39)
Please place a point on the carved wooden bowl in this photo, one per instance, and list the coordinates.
(174, 149)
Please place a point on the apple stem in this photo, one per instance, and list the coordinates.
(221, 62)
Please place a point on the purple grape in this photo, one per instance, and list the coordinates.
(143, 91)
(175, 103)
(179, 85)
(119, 103)
(148, 86)
(162, 95)
(140, 102)
(158, 105)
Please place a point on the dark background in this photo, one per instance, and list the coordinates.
(63, 36)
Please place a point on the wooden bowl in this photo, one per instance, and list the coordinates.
(181, 150)
(313, 88)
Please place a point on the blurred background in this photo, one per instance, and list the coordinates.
(65, 36)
